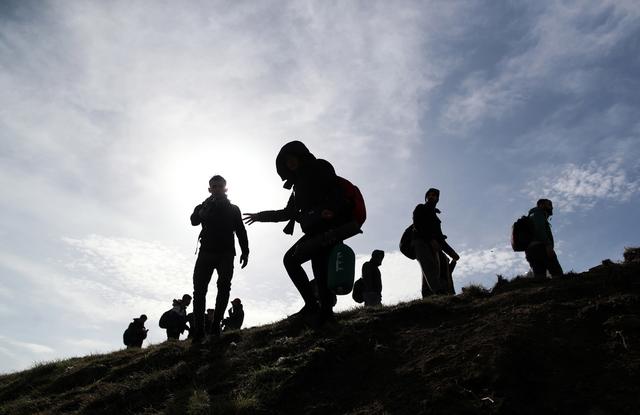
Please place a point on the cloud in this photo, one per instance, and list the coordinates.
(33, 348)
(580, 187)
(146, 269)
(557, 48)
(18, 354)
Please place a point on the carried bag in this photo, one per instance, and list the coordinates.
(126, 337)
(356, 201)
(522, 233)
(406, 246)
(166, 319)
(342, 269)
(358, 291)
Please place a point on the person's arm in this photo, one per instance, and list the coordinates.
(195, 216)
(282, 215)
(241, 232)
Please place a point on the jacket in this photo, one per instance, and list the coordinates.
(427, 224)
(220, 219)
(371, 277)
(315, 188)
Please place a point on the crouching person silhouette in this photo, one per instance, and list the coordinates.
(135, 334)
(220, 220)
(174, 320)
(236, 316)
(318, 205)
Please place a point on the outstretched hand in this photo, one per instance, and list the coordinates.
(244, 260)
(250, 218)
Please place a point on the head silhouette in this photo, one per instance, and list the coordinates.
(377, 256)
(432, 196)
(546, 205)
(217, 185)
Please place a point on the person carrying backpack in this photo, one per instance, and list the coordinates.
(319, 205)
(174, 320)
(430, 246)
(540, 252)
(220, 220)
(372, 279)
(135, 334)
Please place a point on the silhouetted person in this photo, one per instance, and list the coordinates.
(540, 253)
(236, 316)
(175, 320)
(220, 220)
(372, 279)
(318, 205)
(135, 334)
(429, 244)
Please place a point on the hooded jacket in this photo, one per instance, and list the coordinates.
(315, 188)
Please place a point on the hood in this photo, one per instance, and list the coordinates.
(294, 148)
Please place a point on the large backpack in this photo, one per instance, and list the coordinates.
(356, 201)
(342, 269)
(127, 336)
(167, 319)
(405, 243)
(358, 288)
(522, 233)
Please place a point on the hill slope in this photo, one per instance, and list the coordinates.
(569, 345)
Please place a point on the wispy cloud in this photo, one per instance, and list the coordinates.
(553, 49)
(580, 187)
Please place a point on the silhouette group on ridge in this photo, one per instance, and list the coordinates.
(329, 209)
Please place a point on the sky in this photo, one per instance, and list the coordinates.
(114, 115)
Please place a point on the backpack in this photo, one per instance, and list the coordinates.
(405, 243)
(166, 319)
(342, 269)
(126, 336)
(357, 294)
(353, 194)
(522, 233)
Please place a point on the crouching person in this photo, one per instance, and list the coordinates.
(135, 334)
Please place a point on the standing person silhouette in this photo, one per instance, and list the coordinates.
(220, 220)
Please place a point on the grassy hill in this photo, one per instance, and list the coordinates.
(569, 346)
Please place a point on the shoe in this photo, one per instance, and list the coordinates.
(306, 310)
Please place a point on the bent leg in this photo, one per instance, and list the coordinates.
(293, 265)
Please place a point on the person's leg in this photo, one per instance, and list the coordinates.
(293, 265)
(201, 276)
(320, 267)
(553, 265)
(445, 273)
(225, 274)
(430, 265)
(536, 256)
